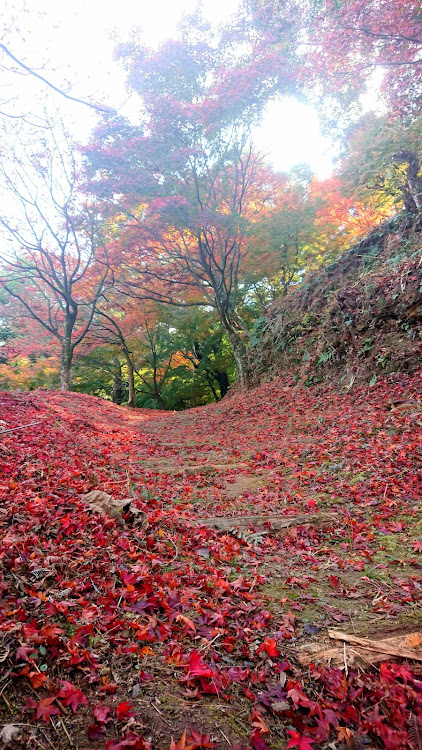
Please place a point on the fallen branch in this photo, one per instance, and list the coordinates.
(275, 522)
(380, 646)
(21, 427)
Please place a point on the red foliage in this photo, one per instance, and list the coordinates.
(345, 42)
(71, 695)
(302, 743)
(81, 590)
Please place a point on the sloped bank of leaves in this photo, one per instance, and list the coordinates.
(100, 618)
(360, 318)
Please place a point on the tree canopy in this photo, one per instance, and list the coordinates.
(149, 272)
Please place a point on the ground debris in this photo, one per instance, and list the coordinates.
(126, 637)
(8, 733)
(359, 651)
(225, 523)
(102, 502)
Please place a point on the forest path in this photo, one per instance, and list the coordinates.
(197, 626)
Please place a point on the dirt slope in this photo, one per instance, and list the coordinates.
(358, 319)
(121, 630)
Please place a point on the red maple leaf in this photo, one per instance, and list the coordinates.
(71, 696)
(257, 740)
(95, 731)
(199, 740)
(258, 722)
(45, 709)
(37, 679)
(270, 646)
(109, 687)
(181, 744)
(124, 710)
(23, 653)
(417, 545)
(197, 667)
(335, 581)
(302, 743)
(298, 698)
(101, 713)
(129, 741)
(51, 633)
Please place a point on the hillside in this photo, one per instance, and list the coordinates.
(126, 620)
(360, 318)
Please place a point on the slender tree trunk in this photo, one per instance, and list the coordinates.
(236, 332)
(409, 203)
(131, 379)
(155, 381)
(223, 381)
(209, 377)
(67, 347)
(240, 353)
(65, 379)
(66, 362)
(157, 393)
(159, 398)
(117, 395)
(413, 180)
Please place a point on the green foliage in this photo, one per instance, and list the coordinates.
(371, 163)
(181, 359)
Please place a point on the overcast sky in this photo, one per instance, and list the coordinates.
(74, 41)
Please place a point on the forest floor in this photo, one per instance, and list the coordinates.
(121, 629)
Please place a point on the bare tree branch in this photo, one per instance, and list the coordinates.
(32, 72)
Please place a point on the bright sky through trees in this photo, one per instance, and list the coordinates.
(74, 43)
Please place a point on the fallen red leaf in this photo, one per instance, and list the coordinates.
(37, 679)
(71, 696)
(302, 743)
(101, 713)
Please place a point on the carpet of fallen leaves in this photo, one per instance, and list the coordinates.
(181, 636)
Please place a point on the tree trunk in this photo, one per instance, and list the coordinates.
(159, 398)
(412, 190)
(117, 395)
(156, 385)
(210, 377)
(65, 380)
(65, 365)
(240, 353)
(409, 203)
(236, 332)
(131, 379)
(223, 381)
(413, 180)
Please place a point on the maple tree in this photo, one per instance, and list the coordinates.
(337, 47)
(202, 342)
(189, 189)
(308, 225)
(284, 240)
(137, 347)
(57, 266)
(118, 327)
(352, 39)
(154, 353)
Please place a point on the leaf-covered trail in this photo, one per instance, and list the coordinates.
(115, 636)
